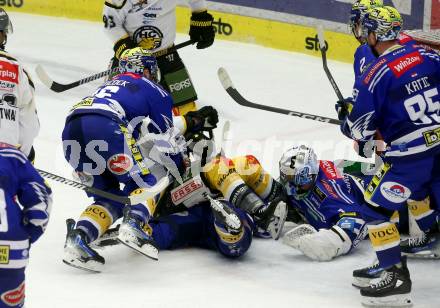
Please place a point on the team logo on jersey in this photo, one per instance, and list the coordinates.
(120, 163)
(8, 72)
(373, 70)
(148, 37)
(14, 297)
(403, 64)
(395, 192)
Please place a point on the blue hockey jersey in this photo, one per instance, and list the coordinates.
(127, 97)
(334, 200)
(363, 57)
(25, 203)
(399, 95)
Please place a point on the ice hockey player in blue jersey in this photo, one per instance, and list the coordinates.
(363, 56)
(25, 203)
(399, 95)
(100, 141)
(330, 202)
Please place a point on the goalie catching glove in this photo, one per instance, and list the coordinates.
(201, 29)
(322, 245)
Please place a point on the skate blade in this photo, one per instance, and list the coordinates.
(422, 255)
(280, 214)
(147, 250)
(401, 301)
(91, 266)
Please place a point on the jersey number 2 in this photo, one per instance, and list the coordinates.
(3, 218)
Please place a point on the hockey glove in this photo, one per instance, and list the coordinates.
(201, 29)
(343, 108)
(201, 120)
(122, 45)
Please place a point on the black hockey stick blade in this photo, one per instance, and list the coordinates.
(141, 197)
(323, 49)
(59, 87)
(237, 97)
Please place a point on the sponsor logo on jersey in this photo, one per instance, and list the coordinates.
(12, 3)
(329, 170)
(8, 72)
(186, 190)
(7, 86)
(403, 64)
(373, 70)
(404, 38)
(222, 28)
(319, 193)
(148, 37)
(329, 189)
(4, 254)
(14, 297)
(179, 86)
(395, 192)
(432, 137)
(120, 163)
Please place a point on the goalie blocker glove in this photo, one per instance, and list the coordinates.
(201, 29)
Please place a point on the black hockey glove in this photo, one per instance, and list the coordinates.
(201, 120)
(201, 29)
(343, 108)
(122, 45)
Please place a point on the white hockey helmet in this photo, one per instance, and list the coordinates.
(298, 167)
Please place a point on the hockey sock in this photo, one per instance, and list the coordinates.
(422, 213)
(385, 239)
(95, 220)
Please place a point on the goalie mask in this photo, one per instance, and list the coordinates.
(298, 170)
(136, 60)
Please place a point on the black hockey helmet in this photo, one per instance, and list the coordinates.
(5, 26)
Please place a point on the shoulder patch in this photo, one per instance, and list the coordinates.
(115, 4)
(403, 64)
(373, 70)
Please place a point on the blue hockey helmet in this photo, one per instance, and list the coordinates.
(137, 59)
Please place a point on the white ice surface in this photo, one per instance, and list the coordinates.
(270, 274)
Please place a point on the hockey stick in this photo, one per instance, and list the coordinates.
(59, 87)
(323, 48)
(130, 200)
(236, 96)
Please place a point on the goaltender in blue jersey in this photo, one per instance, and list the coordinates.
(25, 203)
(328, 200)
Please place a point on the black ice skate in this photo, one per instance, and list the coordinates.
(132, 234)
(393, 290)
(225, 216)
(364, 277)
(423, 247)
(272, 217)
(78, 253)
